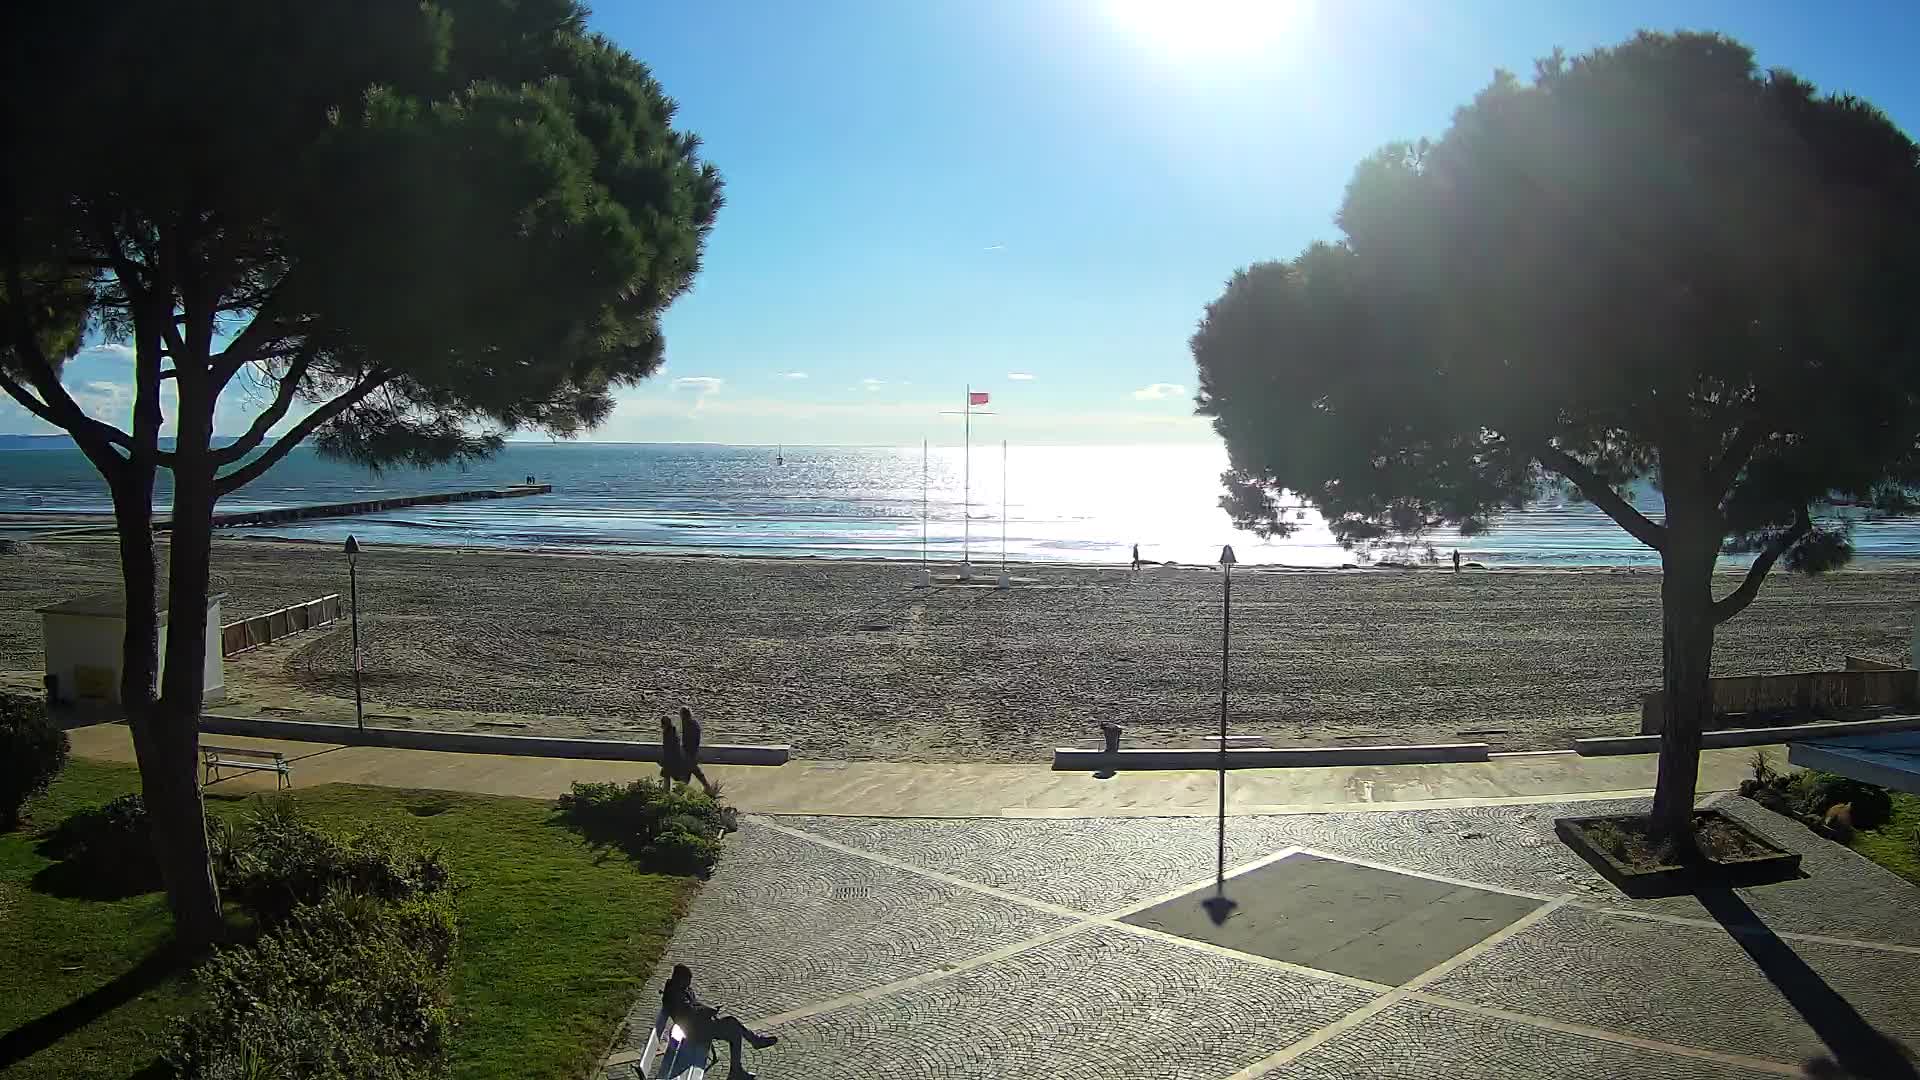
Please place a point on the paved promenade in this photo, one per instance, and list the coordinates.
(1463, 942)
(885, 789)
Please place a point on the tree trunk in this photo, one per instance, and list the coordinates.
(1686, 633)
(173, 790)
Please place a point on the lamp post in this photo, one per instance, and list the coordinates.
(353, 597)
(1218, 906)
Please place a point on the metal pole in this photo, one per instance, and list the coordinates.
(923, 504)
(1226, 634)
(1003, 506)
(353, 591)
(1218, 907)
(966, 488)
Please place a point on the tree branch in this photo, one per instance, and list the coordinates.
(1602, 495)
(264, 327)
(275, 412)
(57, 407)
(284, 445)
(1739, 451)
(1736, 601)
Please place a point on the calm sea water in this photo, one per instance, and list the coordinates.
(1076, 504)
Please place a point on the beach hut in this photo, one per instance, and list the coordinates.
(84, 637)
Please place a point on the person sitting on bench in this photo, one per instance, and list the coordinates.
(703, 1023)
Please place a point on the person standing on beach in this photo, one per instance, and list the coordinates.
(1136, 558)
(1456, 560)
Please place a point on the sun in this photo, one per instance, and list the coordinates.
(1206, 26)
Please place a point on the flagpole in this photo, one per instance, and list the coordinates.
(1003, 506)
(966, 493)
(923, 504)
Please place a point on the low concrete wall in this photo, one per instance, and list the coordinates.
(252, 633)
(1764, 736)
(1075, 759)
(468, 742)
(1862, 663)
(1807, 694)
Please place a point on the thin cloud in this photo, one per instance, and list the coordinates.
(872, 384)
(1159, 391)
(1021, 376)
(994, 247)
(111, 349)
(793, 374)
(701, 387)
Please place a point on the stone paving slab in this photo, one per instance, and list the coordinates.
(1091, 865)
(1682, 984)
(1417, 1041)
(1099, 1003)
(1339, 916)
(785, 922)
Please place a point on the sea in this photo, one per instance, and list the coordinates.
(1080, 504)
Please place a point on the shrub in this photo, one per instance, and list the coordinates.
(348, 988)
(108, 850)
(33, 750)
(1818, 792)
(281, 862)
(666, 829)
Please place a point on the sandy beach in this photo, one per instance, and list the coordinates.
(849, 661)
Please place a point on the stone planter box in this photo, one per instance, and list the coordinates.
(1777, 864)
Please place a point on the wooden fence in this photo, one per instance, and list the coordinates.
(251, 633)
(1806, 695)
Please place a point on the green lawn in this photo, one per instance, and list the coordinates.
(1896, 844)
(555, 938)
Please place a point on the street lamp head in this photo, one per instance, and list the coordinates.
(353, 546)
(1226, 555)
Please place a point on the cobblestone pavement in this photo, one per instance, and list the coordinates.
(988, 948)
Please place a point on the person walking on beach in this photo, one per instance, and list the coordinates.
(1136, 558)
(703, 1023)
(680, 751)
(1456, 560)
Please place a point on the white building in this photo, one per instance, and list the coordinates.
(84, 640)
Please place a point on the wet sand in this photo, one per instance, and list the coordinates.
(849, 661)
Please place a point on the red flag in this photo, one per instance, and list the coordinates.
(977, 397)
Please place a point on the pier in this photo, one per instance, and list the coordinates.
(283, 514)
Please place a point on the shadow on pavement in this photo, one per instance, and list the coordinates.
(1858, 1049)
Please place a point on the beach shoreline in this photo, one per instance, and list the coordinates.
(847, 659)
(945, 562)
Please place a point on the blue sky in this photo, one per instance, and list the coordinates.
(924, 194)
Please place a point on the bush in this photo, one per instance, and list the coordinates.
(348, 988)
(33, 750)
(280, 862)
(1818, 792)
(108, 850)
(666, 829)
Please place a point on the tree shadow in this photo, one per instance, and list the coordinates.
(36, 1035)
(1858, 1049)
(82, 879)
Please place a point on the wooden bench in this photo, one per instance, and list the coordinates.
(215, 758)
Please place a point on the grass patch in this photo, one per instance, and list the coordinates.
(1896, 844)
(555, 938)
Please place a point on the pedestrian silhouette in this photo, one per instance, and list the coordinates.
(680, 750)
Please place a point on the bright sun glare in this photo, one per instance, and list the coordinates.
(1201, 26)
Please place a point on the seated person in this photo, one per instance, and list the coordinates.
(703, 1023)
